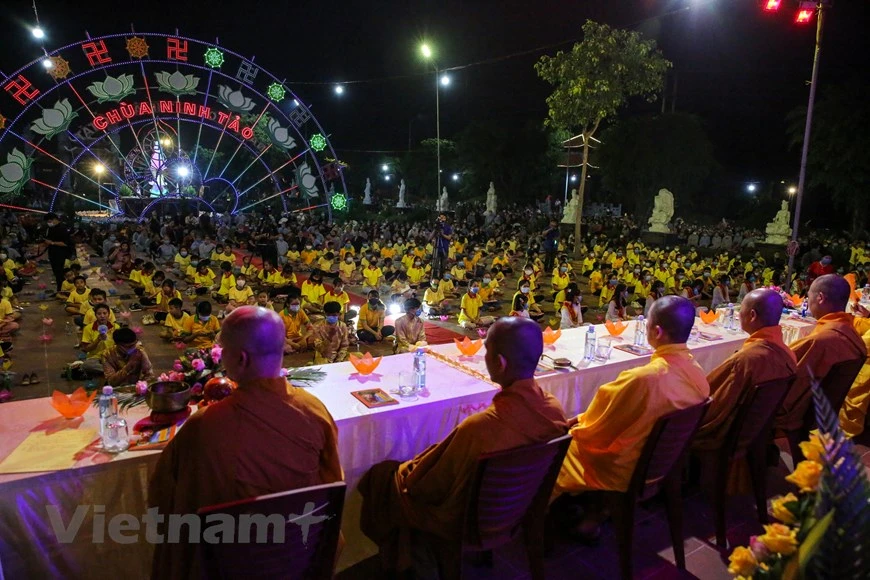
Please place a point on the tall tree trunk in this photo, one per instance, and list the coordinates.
(578, 242)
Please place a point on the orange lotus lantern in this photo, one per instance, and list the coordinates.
(708, 317)
(551, 336)
(467, 346)
(366, 364)
(74, 405)
(850, 278)
(796, 300)
(615, 328)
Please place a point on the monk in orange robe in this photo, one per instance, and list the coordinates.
(833, 340)
(429, 493)
(763, 357)
(267, 437)
(853, 415)
(609, 436)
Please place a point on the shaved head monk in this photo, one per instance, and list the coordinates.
(267, 437)
(430, 492)
(609, 435)
(763, 357)
(833, 340)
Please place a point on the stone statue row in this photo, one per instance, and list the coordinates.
(441, 204)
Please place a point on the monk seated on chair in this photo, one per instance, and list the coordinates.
(429, 492)
(608, 437)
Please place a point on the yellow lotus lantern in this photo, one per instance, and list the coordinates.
(365, 364)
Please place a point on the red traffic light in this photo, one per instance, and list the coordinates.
(772, 5)
(804, 16)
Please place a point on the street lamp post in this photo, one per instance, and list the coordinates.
(99, 168)
(426, 51)
(820, 7)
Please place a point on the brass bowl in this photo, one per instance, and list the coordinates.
(167, 396)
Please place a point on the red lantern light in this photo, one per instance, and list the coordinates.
(804, 16)
(772, 5)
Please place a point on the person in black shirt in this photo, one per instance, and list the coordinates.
(59, 244)
(551, 244)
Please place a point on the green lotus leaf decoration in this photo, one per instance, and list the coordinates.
(176, 83)
(55, 119)
(112, 89)
(14, 173)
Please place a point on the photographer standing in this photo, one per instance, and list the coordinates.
(59, 244)
(551, 244)
(443, 236)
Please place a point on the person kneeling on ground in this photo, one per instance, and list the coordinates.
(410, 329)
(126, 363)
(370, 325)
(297, 325)
(97, 340)
(469, 315)
(330, 336)
(175, 321)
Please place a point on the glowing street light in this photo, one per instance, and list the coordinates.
(37, 32)
(47, 63)
(426, 51)
(385, 167)
(99, 168)
(339, 90)
(386, 177)
(751, 188)
(792, 190)
(573, 178)
(772, 5)
(428, 54)
(445, 80)
(455, 177)
(183, 171)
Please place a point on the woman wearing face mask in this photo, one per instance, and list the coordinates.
(656, 291)
(348, 272)
(721, 293)
(410, 330)
(370, 324)
(561, 278)
(434, 303)
(747, 286)
(182, 260)
(200, 330)
(470, 306)
(525, 288)
(607, 292)
(330, 336)
(617, 305)
(240, 294)
(297, 325)
(520, 306)
(572, 310)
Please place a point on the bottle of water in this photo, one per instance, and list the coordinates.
(420, 370)
(804, 307)
(68, 329)
(589, 347)
(729, 321)
(105, 405)
(640, 331)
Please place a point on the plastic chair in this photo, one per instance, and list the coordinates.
(658, 469)
(510, 490)
(303, 547)
(748, 436)
(835, 385)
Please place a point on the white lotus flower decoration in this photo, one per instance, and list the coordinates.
(307, 182)
(54, 120)
(176, 83)
(235, 101)
(15, 173)
(280, 136)
(113, 88)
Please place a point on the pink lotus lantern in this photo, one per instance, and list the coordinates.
(45, 338)
(180, 345)
(126, 314)
(47, 321)
(41, 286)
(137, 330)
(444, 318)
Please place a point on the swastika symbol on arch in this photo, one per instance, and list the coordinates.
(97, 52)
(21, 89)
(299, 116)
(176, 49)
(247, 72)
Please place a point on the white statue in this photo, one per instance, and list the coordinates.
(569, 214)
(367, 200)
(442, 204)
(779, 230)
(663, 211)
(402, 195)
(491, 200)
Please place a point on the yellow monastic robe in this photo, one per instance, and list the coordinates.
(854, 411)
(610, 434)
(763, 357)
(832, 341)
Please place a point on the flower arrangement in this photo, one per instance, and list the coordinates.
(824, 531)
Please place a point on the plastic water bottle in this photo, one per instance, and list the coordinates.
(640, 331)
(68, 328)
(589, 347)
(105, 405)
(804, 307)
(420, 370)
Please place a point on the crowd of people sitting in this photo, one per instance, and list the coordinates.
(189, 273)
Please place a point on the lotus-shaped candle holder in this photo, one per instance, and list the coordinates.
(850, 278)
(41, 286)
(43, 307)
(125, 314)
(365, 364)
(74, 405)
(444, 318)
(467, 346)
(615, 328)
(48, 321)
(45, 338)
(708, 317)
(551, 336)
(796, 300)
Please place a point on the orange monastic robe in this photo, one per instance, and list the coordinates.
(430, 492)
(854, 411)
(609, 435)
(763, 357)
(266, 437)
(832, 341)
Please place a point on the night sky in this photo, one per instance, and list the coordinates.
(740, 69)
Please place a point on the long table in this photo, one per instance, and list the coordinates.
(29, 548)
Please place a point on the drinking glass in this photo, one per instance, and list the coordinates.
(603, 350)
(406, 384)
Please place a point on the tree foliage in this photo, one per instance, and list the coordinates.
(594, 80)
(641, 155)
(838, 163)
